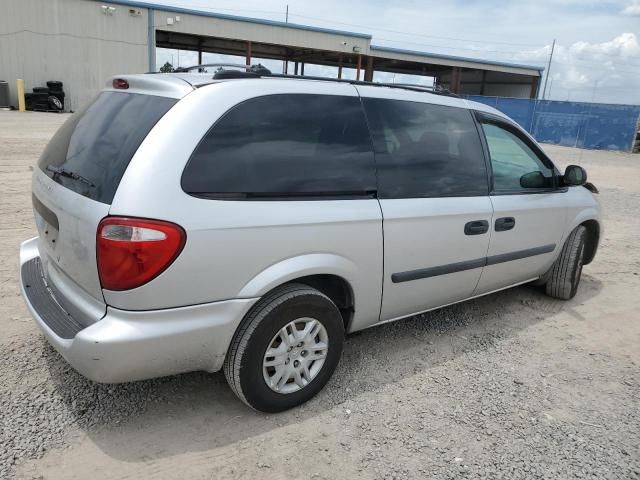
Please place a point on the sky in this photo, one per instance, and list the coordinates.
(596, 56)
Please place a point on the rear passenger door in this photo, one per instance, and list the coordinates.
(529, 207)
(433, 191)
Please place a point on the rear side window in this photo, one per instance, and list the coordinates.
(425, 150)
(91, 151)
(285, 145)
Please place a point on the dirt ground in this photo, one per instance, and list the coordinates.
(513, 385)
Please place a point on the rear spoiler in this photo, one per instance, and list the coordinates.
(159, 85)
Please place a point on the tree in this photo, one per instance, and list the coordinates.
(166, 68)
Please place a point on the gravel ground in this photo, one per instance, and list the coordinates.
(513, 385)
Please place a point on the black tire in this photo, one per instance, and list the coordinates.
(54, 86)
(55, 103)
(564, 276)
(243, 366)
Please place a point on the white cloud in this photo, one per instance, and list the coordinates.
(632, 9)
(603, 72)
(625, 45)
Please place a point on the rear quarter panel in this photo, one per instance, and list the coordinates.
(242, 249)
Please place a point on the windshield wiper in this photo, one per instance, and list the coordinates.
(63, 172)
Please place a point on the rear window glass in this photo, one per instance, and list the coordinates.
(285, 145)
(91, 151)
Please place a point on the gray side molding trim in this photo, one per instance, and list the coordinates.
(470, 264)
(439, 270)
(529, 252)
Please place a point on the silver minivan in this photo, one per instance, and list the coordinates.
(247, 221)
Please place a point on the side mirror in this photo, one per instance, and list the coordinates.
(533, 180)
(574, 176)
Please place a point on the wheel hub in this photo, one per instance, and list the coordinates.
(295, 355)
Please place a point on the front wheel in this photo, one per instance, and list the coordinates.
(564, 276)
(285, 349)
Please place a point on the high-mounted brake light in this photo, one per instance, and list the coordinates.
(134, 251)
(120, 83)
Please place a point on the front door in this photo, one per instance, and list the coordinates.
(529, 208)
(433, 191)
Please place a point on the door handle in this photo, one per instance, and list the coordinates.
(505, 223)
(476, 227)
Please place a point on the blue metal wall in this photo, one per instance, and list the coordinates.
(574, 124)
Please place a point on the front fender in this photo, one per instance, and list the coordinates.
(583, 206)
(582, 216)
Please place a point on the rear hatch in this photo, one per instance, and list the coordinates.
(74, 185)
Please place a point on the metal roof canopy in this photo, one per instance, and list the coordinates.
(453, 61)
(438, 68)
(228, 46)
(430, 63)
(302, 44)
(374, 50)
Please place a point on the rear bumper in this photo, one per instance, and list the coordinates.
(133, 345)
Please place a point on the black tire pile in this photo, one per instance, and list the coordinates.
(46, 99)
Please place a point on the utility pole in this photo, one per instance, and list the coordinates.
(544, 90)
(285, 63)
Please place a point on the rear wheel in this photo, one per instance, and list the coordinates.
(564, 276)
(286, 349)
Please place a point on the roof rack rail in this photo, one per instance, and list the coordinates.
(249, 70)
(436, 90)
(260, 71)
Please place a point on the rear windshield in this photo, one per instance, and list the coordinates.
(91, 151)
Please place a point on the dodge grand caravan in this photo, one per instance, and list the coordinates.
(247, 222)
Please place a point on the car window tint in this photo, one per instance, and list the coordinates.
(511, 158)
(294, 144)
(425, 150)
(99, 141)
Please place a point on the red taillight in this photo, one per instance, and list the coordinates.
(120, 83)
(133, 251)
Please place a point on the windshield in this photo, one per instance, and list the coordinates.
(91, 151)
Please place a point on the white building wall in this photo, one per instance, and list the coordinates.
(72, 41)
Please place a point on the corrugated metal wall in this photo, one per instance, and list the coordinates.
(71, 41)
(574, 124)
